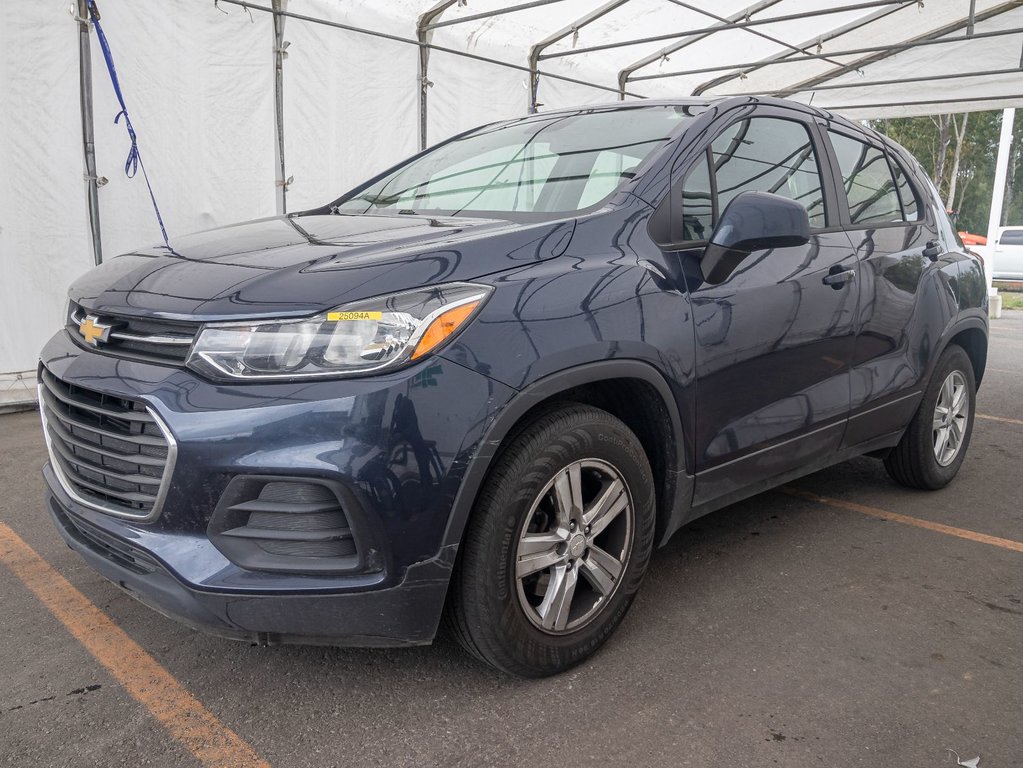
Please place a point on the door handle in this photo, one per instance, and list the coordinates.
(932, 250)
(838, 279)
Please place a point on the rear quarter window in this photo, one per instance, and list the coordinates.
(1011, 237)
(907, 195)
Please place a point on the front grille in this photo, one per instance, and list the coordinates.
(109, 453)
(140, 338)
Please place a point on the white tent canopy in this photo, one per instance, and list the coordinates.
(361, 80)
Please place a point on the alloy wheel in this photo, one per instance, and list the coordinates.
(950, 415)
(574, 546)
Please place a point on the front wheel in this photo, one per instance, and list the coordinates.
(934, 445)
(557, 545)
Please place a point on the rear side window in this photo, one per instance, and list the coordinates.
(1011, 237)
(868, 181)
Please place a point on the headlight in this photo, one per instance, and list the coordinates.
(363, 337)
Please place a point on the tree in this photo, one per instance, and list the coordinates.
(957, 155)
(958, 152)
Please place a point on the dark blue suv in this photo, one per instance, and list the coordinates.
(483, 385)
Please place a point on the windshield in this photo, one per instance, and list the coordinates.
(542, 165)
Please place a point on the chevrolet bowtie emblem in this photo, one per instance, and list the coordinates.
(93, 331)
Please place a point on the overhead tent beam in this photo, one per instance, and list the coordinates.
(736, 25)
(1014, 97)
(895, 81)
(850, 52)
(88, 129)
(490, 14)
(750, 30)
(845, 29)
(927, 37)
(625, 74)
(536, 51)
(421, 44)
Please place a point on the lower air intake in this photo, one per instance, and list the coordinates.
(288, 526)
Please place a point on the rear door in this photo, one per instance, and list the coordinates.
(907, 285)
(773, 341)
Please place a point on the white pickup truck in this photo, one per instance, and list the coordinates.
(1007, 261)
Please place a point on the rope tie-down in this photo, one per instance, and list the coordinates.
(133, 163)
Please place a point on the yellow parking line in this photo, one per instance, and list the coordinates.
(188, 721)
(895, 517)
(999, 418)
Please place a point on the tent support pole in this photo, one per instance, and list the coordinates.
(423, 32)
(998, 192)
(536, 51)
(251, 6)
(279, 54)
(88, 130)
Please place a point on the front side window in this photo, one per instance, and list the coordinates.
(766, 154)
(759, 154)
(868, 182)
(558, 163)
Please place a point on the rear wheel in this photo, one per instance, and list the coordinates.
(557, 545)
(934, 445)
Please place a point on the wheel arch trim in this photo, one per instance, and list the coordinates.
(975, 321)
(536, 393)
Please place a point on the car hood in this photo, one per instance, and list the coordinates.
(302, 264)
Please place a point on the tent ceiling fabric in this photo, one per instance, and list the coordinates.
(783, 47)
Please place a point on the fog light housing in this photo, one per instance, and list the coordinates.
(291, 525)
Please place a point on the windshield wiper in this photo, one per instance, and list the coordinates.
(379, 200)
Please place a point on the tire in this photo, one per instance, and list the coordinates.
(915, 461)
(555, 470)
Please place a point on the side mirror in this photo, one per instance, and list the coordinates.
(753, 221)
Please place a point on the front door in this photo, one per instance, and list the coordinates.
(775, 339)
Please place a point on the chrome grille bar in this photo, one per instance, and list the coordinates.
(109, 453)
(146, 338)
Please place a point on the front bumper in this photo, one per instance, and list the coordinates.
(401, 443)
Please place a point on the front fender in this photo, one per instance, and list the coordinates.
(678, 485)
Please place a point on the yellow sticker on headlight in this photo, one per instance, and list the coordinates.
(336, 317)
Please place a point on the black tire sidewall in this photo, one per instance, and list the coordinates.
(505, 635)
(931, 472)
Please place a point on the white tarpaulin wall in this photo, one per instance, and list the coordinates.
(199, 84)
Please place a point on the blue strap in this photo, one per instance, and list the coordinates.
(134, 161)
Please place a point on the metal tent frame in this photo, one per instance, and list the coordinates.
(749, 19)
